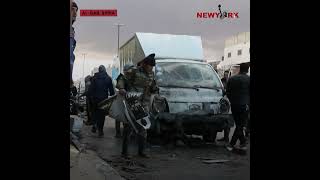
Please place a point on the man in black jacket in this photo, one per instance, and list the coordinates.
(101, 86)
(238, 92)
(224, 80)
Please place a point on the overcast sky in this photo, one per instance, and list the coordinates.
(97, 36)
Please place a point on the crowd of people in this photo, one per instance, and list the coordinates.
(99, 87)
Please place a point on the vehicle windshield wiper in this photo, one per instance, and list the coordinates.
(193, 87)
(215, 87)
(174, 86)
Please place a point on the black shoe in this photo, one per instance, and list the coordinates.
(93, 130)
(229, 147)
(143, 155)
(101, 134)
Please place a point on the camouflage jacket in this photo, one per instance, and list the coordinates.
(139, 81)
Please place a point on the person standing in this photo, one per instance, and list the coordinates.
(123, 86)
(238, 92)
(140, 79)
(74, 10)
(224, 80)
(99, 90)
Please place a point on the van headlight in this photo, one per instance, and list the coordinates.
(194, 107)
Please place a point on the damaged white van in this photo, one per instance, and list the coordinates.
(192, 90)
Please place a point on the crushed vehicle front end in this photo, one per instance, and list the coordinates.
(194, 96)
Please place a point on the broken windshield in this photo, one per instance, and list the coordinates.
(188, 75)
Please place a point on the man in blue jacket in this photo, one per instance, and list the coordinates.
(101, 87)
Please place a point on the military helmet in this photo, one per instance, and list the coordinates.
(150, 60)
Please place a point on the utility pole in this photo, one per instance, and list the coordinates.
(118, 25)
(118, 51)
(84, 59)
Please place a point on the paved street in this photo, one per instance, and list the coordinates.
(87, 165)
(168, 163)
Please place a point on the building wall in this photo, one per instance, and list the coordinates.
(127, 52)
(232, 45)
(235, 58)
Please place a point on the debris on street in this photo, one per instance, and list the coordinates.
(215, 161)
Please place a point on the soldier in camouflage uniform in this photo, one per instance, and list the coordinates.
(138, 79)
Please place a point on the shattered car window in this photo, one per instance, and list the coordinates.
(189, 75)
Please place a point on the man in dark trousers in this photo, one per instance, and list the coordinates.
(100, 87)
(139, 79)
(238, 92)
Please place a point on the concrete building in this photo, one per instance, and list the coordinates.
(236, 50)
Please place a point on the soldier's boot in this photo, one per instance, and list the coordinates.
(141, 146)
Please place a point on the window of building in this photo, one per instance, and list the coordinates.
(222, 58)
(249, 50)
(239, 52)
(229, 54)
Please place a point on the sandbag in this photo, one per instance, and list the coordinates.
(117, 109)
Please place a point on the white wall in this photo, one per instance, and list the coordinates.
(235, 58)
(240, 41)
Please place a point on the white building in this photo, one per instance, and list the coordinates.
(236, 50)
(109, 70)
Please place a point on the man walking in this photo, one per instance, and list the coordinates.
(238, 92)
(99, 90)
